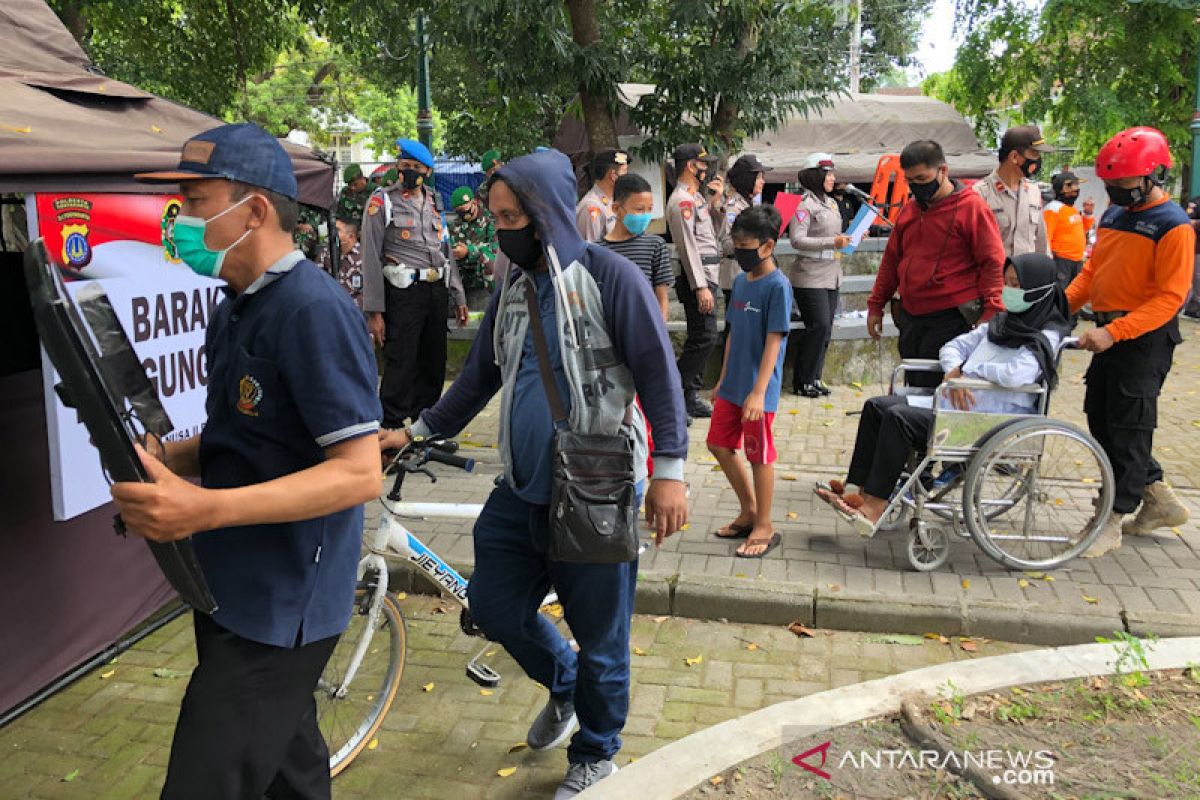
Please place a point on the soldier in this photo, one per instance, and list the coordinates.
(690, 219)
(354, 195)
(593, 214)
(409, 278)
(306, 234)
(473, 240)
(489, 162)
(1012, 195)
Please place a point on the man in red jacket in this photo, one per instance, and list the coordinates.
(945, 257)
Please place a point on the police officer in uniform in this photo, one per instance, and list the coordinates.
(1136, 280)
(1013, 196)
(594, 216)
(409, 278)
(746, 179)
(352, 200)
(696, 235)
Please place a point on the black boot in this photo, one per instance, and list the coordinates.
(820, 386)
(807, 390)
(695, 406)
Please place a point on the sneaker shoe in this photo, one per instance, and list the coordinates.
(822, 388)
(581, 776)
(1160, 509)
(1108, 540)
(552, 726)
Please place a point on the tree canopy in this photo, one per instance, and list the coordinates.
(1086, 68)
(504, 72)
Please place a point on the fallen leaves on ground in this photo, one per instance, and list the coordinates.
(637, 651)
(554, 609)
(166, 672)
(106, 675)
(1091, 600)
(800, 630)
(70, 776)
(506, 771)
(518, 747)
(966, 584)
(967, 645)
(897, 638)
(691, 662)
(374, 743)
(427, 687)
(486, 692)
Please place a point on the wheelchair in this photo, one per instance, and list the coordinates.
(1032, 492)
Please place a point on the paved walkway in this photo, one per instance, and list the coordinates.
(108, 735)
(1150, 583)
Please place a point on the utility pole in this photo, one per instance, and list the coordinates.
(855, 44)
(424, 114)
(1195, 188)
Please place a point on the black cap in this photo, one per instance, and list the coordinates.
(690, 152)
(746, 164)
(1062, 179)
(1024, 137)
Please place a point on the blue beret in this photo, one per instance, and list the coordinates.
(411, 148)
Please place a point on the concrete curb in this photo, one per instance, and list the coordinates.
(747, 600)
(681, 765)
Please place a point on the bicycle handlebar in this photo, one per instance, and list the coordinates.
(465, 464)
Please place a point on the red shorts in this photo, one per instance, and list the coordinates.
(726, 429)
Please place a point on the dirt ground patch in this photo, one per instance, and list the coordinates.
(1132, 735)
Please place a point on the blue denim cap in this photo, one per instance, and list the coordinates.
(243, 152)
(411, 148)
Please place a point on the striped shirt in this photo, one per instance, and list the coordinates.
(650, 253)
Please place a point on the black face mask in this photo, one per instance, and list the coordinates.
(1067, 199)
(923, 192)
(412, 178)
(1126, 197)
(747, 258)
(1031, 167)
(520, 246)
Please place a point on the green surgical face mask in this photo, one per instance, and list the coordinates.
(1014, 298)
(188, 235)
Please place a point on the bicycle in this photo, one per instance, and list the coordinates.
(359, 684)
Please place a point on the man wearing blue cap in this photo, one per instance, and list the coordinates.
(409, 278)
(286, 460)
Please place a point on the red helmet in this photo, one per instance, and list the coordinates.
(1133, 153)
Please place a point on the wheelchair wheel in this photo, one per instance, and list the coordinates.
(928, 546)
(1037, 494)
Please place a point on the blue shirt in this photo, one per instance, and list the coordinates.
(756, 308)
(290, 372)
(530, 419)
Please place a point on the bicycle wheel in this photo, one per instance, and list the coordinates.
(350, 720)
(1037, 494)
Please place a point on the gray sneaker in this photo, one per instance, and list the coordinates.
(581, 776)
(552, 726)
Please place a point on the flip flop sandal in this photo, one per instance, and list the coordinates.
(735, 531)
(858, 521)
(772, 543)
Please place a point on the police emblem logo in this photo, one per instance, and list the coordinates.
(685, 210)
(431, 275)
(76, 250)
(801, 214)
(250, 394)
(595, 212)
(405, 235)
(374, 204)
(167, 225)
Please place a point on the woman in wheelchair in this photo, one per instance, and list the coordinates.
(1015, 348)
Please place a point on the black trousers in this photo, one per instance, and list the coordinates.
(889, 430)
(816, 307)
(1121, 404)
(1065, 271)
(414, 351)
(701, 335)
(922, 336)
(248, 723)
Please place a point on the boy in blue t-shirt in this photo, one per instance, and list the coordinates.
(758, 319)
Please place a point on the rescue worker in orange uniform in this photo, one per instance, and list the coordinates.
(1136, 280)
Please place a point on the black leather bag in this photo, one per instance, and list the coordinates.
(593, 497)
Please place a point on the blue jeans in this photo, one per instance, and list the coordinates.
(512, 575)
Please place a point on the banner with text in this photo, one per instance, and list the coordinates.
(117, 240)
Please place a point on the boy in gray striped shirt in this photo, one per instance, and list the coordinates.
(633, 204)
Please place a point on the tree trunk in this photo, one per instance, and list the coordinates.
(597, 116)
(73, 18)
(725, 117)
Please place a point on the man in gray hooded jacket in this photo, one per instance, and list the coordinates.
(613, 347)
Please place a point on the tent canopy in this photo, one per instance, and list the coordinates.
(65, 128)
(856, 129)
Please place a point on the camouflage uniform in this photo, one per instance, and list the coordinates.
(479, 235)
(307, 242)
(350, 204)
